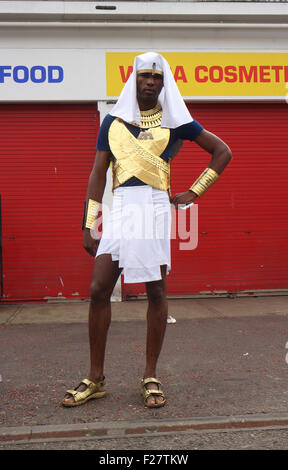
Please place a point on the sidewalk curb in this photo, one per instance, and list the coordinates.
(130, 429)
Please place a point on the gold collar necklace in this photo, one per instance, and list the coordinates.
(151, 117)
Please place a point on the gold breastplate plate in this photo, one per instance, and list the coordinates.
(140, 157)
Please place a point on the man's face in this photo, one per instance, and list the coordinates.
(149, 87)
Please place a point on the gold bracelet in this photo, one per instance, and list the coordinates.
(92, 212)
(205, 180)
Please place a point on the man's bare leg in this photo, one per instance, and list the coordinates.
(156, 327)
(105, 275)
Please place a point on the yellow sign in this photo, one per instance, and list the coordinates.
(218, 74)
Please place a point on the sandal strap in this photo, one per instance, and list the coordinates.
(88, 382)
(147, 393)
(150, 380)
(72, 392)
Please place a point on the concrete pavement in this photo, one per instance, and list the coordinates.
(223, 365)
(76, 312)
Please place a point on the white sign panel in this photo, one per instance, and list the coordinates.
(52, 74)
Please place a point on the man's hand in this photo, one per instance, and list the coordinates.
(183, 198)
(89, 243)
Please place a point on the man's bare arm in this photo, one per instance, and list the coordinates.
(97, 178)
(95, 191)
(220, 157)
(221, 153)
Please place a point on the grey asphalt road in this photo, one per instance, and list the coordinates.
(222, 358)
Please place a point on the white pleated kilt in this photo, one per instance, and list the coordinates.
(137, 232)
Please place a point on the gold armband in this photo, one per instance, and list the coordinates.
(205, 180)
(92, 212)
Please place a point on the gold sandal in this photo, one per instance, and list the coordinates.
(92, 391)
(147, 393)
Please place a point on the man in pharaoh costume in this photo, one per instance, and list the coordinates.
(139, 136)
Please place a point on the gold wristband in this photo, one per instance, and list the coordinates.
(92, 212)
(205, 180)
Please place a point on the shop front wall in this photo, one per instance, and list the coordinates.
(53, 82)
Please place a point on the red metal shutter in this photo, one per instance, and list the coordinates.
(243, 224)
(47, 152)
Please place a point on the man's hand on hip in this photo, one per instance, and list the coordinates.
(183, 198)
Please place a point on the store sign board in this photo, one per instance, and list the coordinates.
(52, 74)
(211, 74)
(94, 74)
